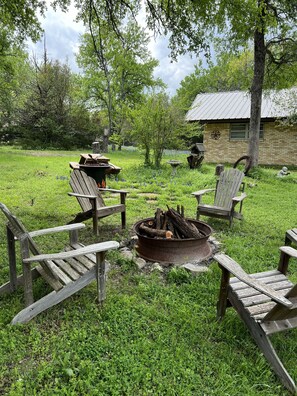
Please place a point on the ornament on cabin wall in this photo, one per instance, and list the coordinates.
(215, 135)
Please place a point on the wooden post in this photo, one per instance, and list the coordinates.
(291, 236)
(28, 288)
(123, 214)
(223, 295)
(95, 216)
(287, 240)
(101, 276)
(197, 214)
(11, 259)
(73, 237)
(283, 263)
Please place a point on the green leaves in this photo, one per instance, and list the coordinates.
(158, 123)
(117, 68)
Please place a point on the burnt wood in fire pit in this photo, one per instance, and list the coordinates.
(155, 232)
(170, 224)
(178, 249)
(184, 227)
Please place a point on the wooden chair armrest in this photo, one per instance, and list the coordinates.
(94, 248)
(113, 190)
(289, 251)
(239, 198)
(68, 227)
(198, 194)
(82, 195)
(106, 209)
(235, 269)
(201, 192)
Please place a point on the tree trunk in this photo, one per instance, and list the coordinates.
(105, 141)
(158, 153)
(102, 63)
(256, 96)
(147, 156)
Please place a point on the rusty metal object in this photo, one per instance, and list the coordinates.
(248, 163)
(96, 166)
(174, 251)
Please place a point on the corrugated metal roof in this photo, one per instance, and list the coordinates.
(237, 104)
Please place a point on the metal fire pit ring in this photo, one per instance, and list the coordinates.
(174, 251)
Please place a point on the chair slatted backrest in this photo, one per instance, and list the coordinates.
(81, 183)
(227, 187)
(20, 232)
(18, 229)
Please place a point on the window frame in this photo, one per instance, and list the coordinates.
(246, 131)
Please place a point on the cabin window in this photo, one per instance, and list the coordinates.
(240, 131)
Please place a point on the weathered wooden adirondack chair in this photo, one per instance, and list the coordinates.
(91, 201)
(228, 185)
(66, 272)
(291, 236)
(265, 301)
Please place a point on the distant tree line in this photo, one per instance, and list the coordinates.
(116, 97)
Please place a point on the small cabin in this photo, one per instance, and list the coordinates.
(225, 118)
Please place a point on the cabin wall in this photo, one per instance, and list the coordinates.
(278, 147)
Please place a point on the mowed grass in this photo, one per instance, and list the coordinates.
(156, 334)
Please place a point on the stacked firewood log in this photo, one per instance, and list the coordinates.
(170, 224)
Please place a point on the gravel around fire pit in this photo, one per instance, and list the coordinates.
(195, 267)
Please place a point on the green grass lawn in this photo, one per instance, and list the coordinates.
(155, 335)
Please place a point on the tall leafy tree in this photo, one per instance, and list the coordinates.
(116, 69)
(288, 101)
(19, 21)
(52, 115)
(158, 123)
(274, 38)
(44, 115)
(36, 100)
(14, 72)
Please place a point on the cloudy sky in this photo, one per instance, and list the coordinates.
(62, 34)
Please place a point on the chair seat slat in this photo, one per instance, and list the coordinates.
(55, 284)
(272, 327)
(65, 267)
(250, 291)
(77, 266)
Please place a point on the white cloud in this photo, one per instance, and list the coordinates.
(171, 72)
(62, 36)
